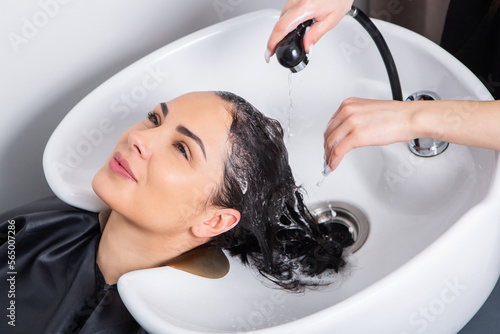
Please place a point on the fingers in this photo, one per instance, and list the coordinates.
(345, 110)
(338, 135)
(362, 122)
(337, 145)
(289, 20)
(357, 122)
(322, 26)
(327, 14)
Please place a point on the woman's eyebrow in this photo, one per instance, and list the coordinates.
(164, 109)
(182, 129)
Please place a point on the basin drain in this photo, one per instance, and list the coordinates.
(345, 216)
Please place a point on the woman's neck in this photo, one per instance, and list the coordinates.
(125, 247)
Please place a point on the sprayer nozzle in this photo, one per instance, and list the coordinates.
(290, 50)
(300, 66)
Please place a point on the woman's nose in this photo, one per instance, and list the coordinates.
(140, 143)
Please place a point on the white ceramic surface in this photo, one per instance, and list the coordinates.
(431, 258)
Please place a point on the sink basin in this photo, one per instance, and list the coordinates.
(432, 253)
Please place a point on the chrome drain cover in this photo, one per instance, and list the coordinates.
(343, 214)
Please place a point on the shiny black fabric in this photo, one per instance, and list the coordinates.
(472, 34)
(54, 284)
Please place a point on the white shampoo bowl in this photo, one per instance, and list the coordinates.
(432, 254)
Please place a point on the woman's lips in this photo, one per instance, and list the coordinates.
(120, 166)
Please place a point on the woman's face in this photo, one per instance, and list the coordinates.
(164, 169)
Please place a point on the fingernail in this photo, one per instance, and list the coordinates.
(267, 55)
(326, 170)
(309, 54)
(330, 121)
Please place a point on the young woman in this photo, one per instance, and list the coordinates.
(203, 171)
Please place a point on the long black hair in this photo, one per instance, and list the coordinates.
(276, 234)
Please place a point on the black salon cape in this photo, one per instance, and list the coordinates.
(57, 287)
(472, 34)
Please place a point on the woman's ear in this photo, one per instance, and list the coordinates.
(223, 220)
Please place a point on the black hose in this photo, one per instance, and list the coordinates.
(379, 40)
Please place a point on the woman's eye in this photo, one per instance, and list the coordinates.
(181, 147)
(153, 118)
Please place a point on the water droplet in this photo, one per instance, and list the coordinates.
(333, 213)
(320, 182)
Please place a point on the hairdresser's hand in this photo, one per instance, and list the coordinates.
(327, 14)
(361, 122)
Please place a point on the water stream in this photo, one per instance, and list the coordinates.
(290, 107)
(289, 131)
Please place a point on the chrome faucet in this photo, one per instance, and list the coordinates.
(426, 147)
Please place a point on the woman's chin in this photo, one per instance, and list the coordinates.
(102, 186)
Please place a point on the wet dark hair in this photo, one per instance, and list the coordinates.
(276, 233)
